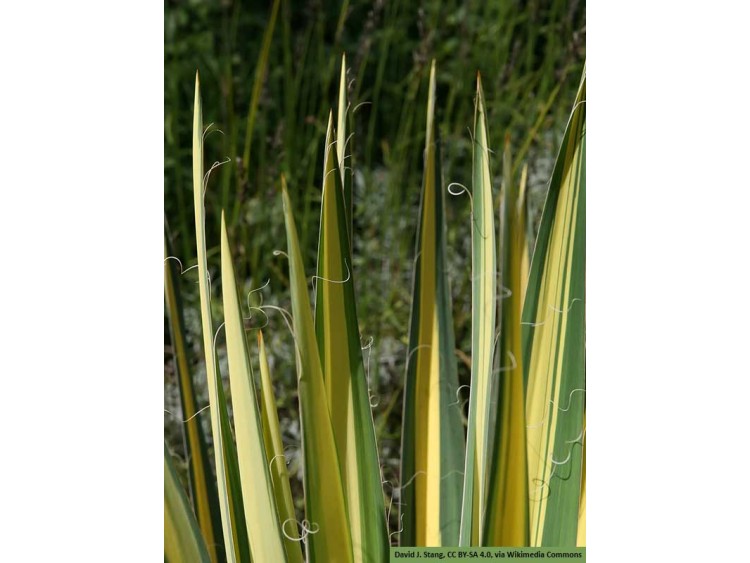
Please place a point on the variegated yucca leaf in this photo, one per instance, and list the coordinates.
(227, 470)
(483, 292)
(325, 505)
(263, 529)
(276, 460)
(432, 437)
(507, 520)
(341, 146)
(554, 345)
(339, 346)
(201, 477)
(183, 542)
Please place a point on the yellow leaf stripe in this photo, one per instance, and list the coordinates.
(324, 492)
(263, 528)
(507, 521)
(554, 346)
(432, 437)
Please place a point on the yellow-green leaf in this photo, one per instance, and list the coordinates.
(554, 345)
(182, 539)
(339, 345)
(507, 520)
(263, 528)
(341, 144)
(483, 291)
(202, 487)
(432, 437)
(276, 460)
(325, 505)
(227, 473)
(525, 258)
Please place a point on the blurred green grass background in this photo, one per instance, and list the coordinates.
(530, 55)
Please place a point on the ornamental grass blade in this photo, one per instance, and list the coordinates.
(341, 144)
(227, 472)
(507, 518)
(263, 528)
(183, 542)
(325, 505)
(554, 344)
(276, 460)
(483, 291)
(432, 439)
(201, 478)
(339, 346)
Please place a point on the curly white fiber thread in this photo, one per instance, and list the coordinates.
(307, 529)
(552, 402)
(554, 311)
(187, 419)
(348, 277)
(182, 271)
(207, 175)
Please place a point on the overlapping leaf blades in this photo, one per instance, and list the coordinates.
(483, 292)
(432, 437)
(522, 465)
(182, 539)
(276, 460)
(507, 521)
(325, 504)
(227, 470)
(263, 529)
(201, 478)
(339, 345)
(554, 345)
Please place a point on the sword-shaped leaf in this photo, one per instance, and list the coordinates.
(182, 539)
(227, 471)
(339, 345)
(276, 460)
(507, 520)
(554, 344)
(341, 142)
(432, 439)
(202, 487)
(483, 291)
(325, 504)
(263, 528)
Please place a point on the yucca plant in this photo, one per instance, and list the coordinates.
(515, 475)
